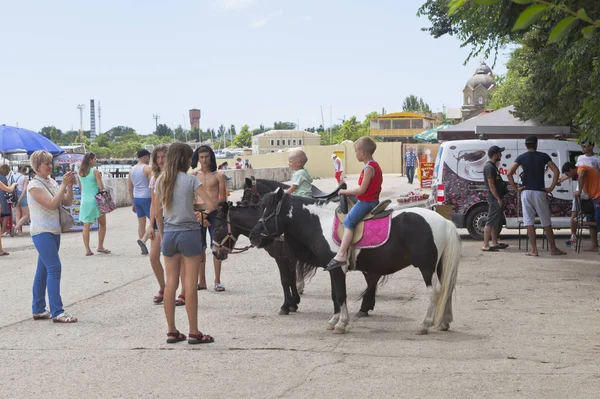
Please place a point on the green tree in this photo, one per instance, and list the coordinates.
(52, 133)
(163, 130)
(195, 134)
(102, 140)
(126, 150)
(180, 133)
(101, 152)
(559, 70)
(231, 132)
(261, 129)
(284, 125)
(413, 103)
(244, 138)
(350, 129)
(119, 131)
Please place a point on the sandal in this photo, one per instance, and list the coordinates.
(175, 337)
(4, 253)
(159, 298)
(64, 318)
(143, 247)
(199, 287)
(180, 300)
(219, 287)
(42, 316)
(200, 339)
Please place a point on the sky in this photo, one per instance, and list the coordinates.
(239, 61)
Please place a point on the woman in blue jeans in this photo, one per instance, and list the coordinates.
(45, 196)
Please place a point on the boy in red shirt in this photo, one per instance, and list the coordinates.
(367, 192)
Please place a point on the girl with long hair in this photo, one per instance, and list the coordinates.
(157, 162)
(90, 182)
(181, 232)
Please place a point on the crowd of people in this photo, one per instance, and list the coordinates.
(533, 194)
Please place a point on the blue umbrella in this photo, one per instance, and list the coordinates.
(14, 139)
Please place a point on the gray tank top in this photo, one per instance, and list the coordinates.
(140, 182)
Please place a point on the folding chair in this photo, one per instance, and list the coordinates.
(584, 208)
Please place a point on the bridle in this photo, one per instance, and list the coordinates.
(264, 219)
(230, 238)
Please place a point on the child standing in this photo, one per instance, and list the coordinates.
(181, 234)
(367, 192)
(301, 180)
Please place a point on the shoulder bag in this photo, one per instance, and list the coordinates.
(105, 202)
(64, 216)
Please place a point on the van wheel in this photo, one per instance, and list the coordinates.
(476, 220)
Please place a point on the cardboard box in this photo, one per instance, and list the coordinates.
(445, 211)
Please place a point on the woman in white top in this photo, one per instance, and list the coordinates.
(45, 196)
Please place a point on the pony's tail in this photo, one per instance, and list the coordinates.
(450, 260)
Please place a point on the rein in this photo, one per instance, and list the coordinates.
(263, 220)
(232, 238)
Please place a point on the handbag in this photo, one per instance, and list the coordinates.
(64, 216)
(105, 202)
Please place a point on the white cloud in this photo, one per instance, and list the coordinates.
(229, 5)
(262, 21)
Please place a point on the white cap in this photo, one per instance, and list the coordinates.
(333, 156)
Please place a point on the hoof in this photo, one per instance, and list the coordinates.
(330, 326)
(444, 327)
(300, 292)
(337, 330)
(293, 309)
(283, 312)
(360, 313)
(422, 331)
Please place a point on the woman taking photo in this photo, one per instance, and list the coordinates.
(45, 196)
(90, 182)
(21, 207)
(181, 236)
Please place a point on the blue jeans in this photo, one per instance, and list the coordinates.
(47, 274)
(410, 173)
(358, 212)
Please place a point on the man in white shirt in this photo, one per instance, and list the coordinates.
(337, 167)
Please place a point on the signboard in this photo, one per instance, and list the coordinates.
(62, 164)
(426, 174)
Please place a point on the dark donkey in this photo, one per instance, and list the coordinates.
(418, 237)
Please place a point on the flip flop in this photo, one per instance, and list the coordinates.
(528, 254)
(490, 249)
(200, 288)
(143, 247)
(90, 254)
(4, 253)
(559, 254)
(500, 246)
(104, 251)
(219, 287)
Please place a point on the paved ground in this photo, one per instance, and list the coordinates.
(524, 328)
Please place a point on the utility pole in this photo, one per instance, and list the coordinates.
(156, 118)
(80, 107)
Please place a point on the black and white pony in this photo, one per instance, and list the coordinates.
(418, 237)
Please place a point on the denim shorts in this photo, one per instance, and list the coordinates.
(185, 242)
(357, 212)
(142, 207)
(24, 200)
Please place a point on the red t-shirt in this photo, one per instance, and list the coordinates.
(374, 189)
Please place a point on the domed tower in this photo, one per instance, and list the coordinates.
(476, 91)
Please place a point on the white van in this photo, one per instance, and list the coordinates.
(458, 181)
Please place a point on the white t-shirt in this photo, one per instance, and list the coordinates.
(585, 160)
(43, 220)
(337, 165)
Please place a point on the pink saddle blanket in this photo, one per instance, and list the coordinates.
(376, 232)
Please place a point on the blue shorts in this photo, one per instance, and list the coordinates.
(211, 230)
(24, 200)
(358, 212)
(142, 207)
(183, 242)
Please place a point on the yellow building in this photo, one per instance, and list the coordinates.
(401, 125)
(280, 140)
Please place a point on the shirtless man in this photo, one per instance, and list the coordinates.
(214, 184)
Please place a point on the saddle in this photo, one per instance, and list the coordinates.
(318, 194)
(371, 232)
